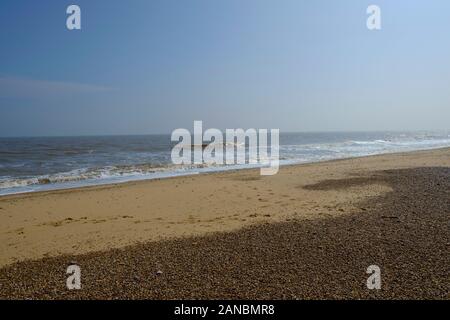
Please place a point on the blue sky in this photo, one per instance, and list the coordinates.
(152, 66)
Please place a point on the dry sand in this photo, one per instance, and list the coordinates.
(90, 219)
(308, 232)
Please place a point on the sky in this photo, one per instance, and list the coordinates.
(142, 67)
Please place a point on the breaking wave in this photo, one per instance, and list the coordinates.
(29, 165)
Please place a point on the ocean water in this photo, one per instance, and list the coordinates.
(36, 164)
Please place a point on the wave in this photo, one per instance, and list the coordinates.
(213, 143)
(158, 165)
(379, 141)
(120, 171)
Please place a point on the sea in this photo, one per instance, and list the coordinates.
(49, 163)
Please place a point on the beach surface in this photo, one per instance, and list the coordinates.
(310, 231)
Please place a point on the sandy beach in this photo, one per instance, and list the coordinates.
(308, 232)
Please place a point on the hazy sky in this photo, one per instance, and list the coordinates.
(153, 66)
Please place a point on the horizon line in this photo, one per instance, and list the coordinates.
(169, 133)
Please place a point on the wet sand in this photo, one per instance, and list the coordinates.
(309, 232)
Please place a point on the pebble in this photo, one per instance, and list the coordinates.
(277, 260)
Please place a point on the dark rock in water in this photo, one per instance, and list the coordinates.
(44, 181)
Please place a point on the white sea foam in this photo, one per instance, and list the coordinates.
(155, 164)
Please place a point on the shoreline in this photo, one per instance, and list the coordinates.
(83, 220)
(108, 185)
(403, 231)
